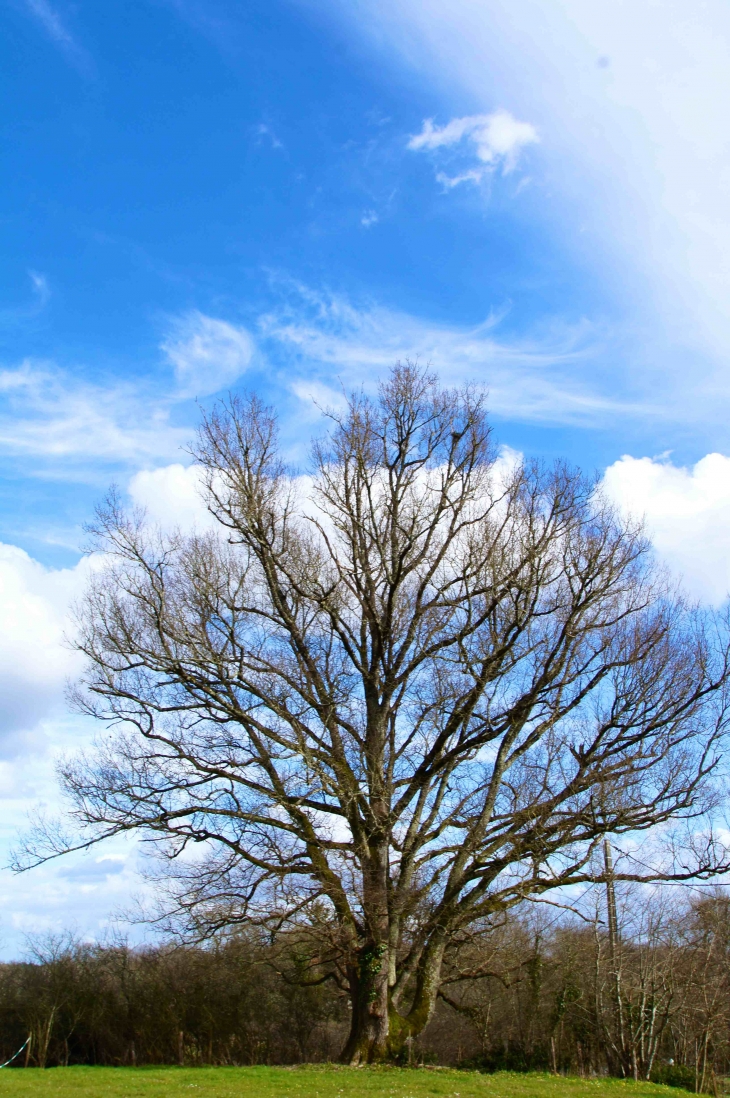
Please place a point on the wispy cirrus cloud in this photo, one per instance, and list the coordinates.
(68, 425)
(326, 341)
(51, 22)
(629, 99)
(207, 354)
(41, 289)
(496, 140)
(265, 131)
(13, 315)
(210, 19)
(50, 19)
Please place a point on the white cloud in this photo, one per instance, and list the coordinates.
(262, 130)
(34, 662)
(81, 892)
(35, 603)
(40, 286)
(19, 315)
(474, 175)
(69, 422)
(81, 895)
(80, 428)
(334, 343)
(48, 17)
(319, 397)
(629, 97)
(171, 496)
(496, 138)
(208, 354)
(687, 514)
(51, 21)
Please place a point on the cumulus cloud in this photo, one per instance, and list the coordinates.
(687, 515)
(34, 662)
(171, 496)
(496, 139)
(80, 892)
(208, 354)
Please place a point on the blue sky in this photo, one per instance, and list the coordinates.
(201, 194)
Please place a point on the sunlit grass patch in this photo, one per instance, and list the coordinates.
(312, 1082)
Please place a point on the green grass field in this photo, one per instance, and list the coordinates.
(311, 1082)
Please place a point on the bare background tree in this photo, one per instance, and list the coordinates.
(392, 698)
(535, 993)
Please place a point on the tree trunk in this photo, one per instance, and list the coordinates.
(378, 1031)
(368, 1039)
(44, 1038)
(428, 979)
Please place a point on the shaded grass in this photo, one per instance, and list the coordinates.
(312, 1082)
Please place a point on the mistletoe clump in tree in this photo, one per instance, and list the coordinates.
(392, 697)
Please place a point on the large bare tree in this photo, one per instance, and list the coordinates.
(392, 697)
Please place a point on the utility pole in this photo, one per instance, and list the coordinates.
(613, 953)
(610, 901)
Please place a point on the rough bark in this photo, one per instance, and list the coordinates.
(367, 1041)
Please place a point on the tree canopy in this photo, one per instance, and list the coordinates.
(392, 696)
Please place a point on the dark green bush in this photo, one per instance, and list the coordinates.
(674, 1075)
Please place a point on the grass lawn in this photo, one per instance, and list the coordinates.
(311, 1082)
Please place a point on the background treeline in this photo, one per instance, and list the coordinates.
(543, 989)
